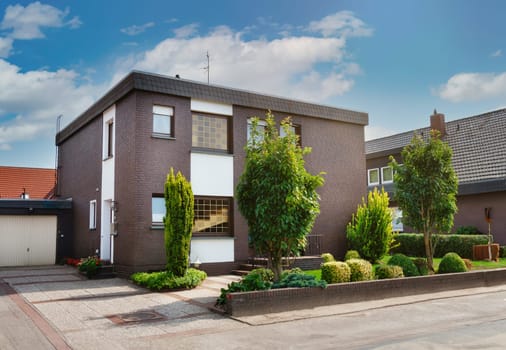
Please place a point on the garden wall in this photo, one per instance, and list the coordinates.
(279, 300)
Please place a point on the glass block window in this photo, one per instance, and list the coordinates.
(210, 132)
(212, 216)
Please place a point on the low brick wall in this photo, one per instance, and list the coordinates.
(279, 300)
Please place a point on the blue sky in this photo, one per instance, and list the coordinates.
(396, 60)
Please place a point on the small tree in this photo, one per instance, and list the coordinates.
(370, 230)
(178, 223)
(276, 194)
(426, 188)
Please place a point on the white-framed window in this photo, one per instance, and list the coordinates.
(397, 219)
(295, 128)
(108, 139)
(373, 177)
(163, 123)
(157, 209)
(387, 174)
(93, 214)
(262, 124)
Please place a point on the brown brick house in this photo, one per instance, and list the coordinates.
(479, 160)
(114, 158)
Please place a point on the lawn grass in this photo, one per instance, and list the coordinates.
(477, 265)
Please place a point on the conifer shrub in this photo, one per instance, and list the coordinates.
(360, 270)
(408, 267)
(327, 257)
(388, 271)
(351, 254)
(451, 263)
(335, 272)
(370, 230)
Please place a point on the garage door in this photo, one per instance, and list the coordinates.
(27, 240)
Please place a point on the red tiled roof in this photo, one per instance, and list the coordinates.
(38, 183)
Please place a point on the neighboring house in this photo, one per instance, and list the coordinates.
(479, 160)
(34, 183)
(34, 228)
(114, 159)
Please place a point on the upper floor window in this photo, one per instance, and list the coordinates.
(213, 216)
(163, 120)
(108, 139)
(387, 174)
(157, 209)
(295, 128)
(210, 132)
(373, 177)
(261, 125)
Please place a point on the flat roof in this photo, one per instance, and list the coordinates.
(137, 80)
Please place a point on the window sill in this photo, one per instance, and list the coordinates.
(157, 227)
(211, 151)
(162, 136)
(212, 235)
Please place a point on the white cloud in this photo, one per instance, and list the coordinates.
(305, 67)
(36, 98)
(497, 53)
(473, 87)
(343, 23)
(186, 31)
(135, 29)
(27, 22)
(5, 47)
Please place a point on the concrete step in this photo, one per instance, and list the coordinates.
(240, 272)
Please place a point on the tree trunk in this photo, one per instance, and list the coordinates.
(428, 251)
(276, 267)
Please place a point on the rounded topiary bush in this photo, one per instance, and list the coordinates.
(450, 263)
(360, 270)
(335, 272)
(408, 267)
(388, 271)
(351, 254)
(327, 257)
(421, 265)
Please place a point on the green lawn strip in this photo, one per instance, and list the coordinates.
(477, 265)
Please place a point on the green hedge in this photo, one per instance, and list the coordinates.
(411, 244)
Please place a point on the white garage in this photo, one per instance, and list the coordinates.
(27, 240)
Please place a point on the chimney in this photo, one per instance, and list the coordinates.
(437, 122)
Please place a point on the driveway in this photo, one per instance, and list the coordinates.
(55, 308)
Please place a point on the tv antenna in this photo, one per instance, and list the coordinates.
(207, 68)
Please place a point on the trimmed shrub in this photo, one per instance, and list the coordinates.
(370, 230)
(335, 272)
(467, 230)
(351, 254)
(157, 281)
(327, 257)
(388, 271)
(421, 265)
(408, 267)
(360, 270)
(502, 251)
(450, 263)
(469, 264)
(411, 244)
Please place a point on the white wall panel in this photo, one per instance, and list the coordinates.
(107, 190)
(212, 174)
(212, 250)
(211, 107)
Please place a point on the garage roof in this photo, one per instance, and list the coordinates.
(38, 183)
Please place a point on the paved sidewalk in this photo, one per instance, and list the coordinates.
(102, 314)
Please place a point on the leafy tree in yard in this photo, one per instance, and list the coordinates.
(426, 188)
(370, 230)
(276, 194)
(178, 223)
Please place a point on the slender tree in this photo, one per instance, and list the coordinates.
(426, 188)
(276, 194)
(178, 223)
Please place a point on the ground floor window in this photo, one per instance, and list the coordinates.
(213, 216)
(157, 209)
